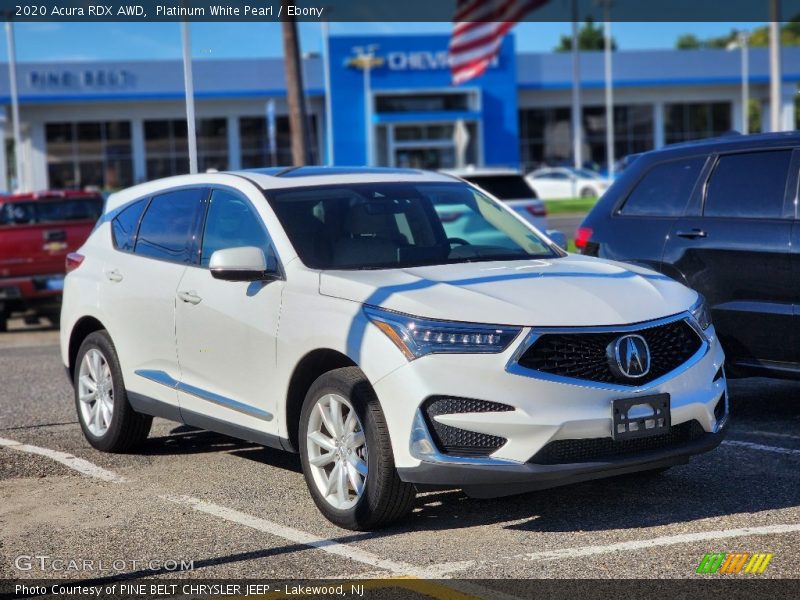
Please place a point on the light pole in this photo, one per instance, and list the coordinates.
(609, 88)
(744, 38)
(12, 76)
(307, 56)
(326, 64)
(365, 57)
(775, 66)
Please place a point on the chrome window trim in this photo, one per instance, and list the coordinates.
(167, 380)
(513, 367)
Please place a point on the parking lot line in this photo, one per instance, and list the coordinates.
(787, 436)
(669, 540)
(68, 460)
(762, 447)
(301, 537)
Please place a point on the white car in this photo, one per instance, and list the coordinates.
(566, 182)
(325, 312)
(508, 186)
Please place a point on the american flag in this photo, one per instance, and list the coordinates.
(478, 30)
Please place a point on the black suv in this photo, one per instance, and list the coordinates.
(720, 216)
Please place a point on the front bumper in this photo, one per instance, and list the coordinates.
(545, 410)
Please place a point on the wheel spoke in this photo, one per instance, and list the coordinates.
(355, 440)
(336, 415)
(333, 478)
(358, 464)
(324, 413)
(95, 413)
(350, 423)
(88, 397)
(356, 480)
(106, 411)
(87, 382)
(322, 459)
(322, 440)
(94, 361)
(341, 487)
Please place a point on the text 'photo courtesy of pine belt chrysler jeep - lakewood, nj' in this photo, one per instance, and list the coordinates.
(332, 312)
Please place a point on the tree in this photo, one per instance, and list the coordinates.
(298, 122)
(688, 41)
(590, 37)
(759, 37)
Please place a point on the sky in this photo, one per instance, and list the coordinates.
(50, 42)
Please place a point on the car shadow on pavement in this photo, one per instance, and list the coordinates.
(189, 440)
(184, 439)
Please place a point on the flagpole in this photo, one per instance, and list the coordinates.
(326, 65)
(188, 84)
(576, 91)
(12, 77)
(774, 66)
(609, 92)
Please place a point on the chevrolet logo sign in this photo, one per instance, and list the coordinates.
(362, 62)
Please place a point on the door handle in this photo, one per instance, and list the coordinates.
(113, 275)
(692, 234)
(190, 297)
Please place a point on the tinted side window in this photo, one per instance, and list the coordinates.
(750, 185)
(123, 227)
(168, 229)
(17, 213)
(231, 223)
(665, 189)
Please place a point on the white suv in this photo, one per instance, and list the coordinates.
(328, 312)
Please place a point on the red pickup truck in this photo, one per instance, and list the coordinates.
(37, 230)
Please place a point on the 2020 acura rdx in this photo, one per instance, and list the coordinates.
(330, 312)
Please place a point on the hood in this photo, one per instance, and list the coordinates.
(571, 291)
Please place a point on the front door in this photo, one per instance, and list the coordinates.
(226, 330)
(736, 251)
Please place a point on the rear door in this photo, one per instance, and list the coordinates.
(642, 220)
(155, 240)
(734, 246)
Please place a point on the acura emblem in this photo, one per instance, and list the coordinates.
(629, 356)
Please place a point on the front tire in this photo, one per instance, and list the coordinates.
(104, 413)
(347, 455)
(588, 192)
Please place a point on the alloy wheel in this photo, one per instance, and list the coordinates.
(96, 392)
(337, 451)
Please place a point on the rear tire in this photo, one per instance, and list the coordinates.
(104, 413)
(358, 445)
(588, 193)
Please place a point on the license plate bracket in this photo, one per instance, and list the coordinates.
(650, 416)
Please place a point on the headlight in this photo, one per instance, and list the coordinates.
(700, 313)
(417, 337)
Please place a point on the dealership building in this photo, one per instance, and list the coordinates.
(111, 124)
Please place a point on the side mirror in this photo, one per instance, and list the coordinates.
(246, 263)
(558, 238)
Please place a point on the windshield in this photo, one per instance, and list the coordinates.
(504, 187)
(393, 225)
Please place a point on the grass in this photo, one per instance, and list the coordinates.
(571, 246)
(569, 205)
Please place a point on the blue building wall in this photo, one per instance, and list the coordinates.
(418, 63)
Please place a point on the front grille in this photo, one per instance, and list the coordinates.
(454, 440)
(562, 452)
(719, 409)
(584, 355)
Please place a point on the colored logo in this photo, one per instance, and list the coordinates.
(363, 61)
(735, 562)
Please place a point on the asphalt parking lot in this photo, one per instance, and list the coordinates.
(239, 510)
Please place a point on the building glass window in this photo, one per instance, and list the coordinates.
(167, 146)
(253, 138)
(546, 134)
(89, 154)
(694, 121)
